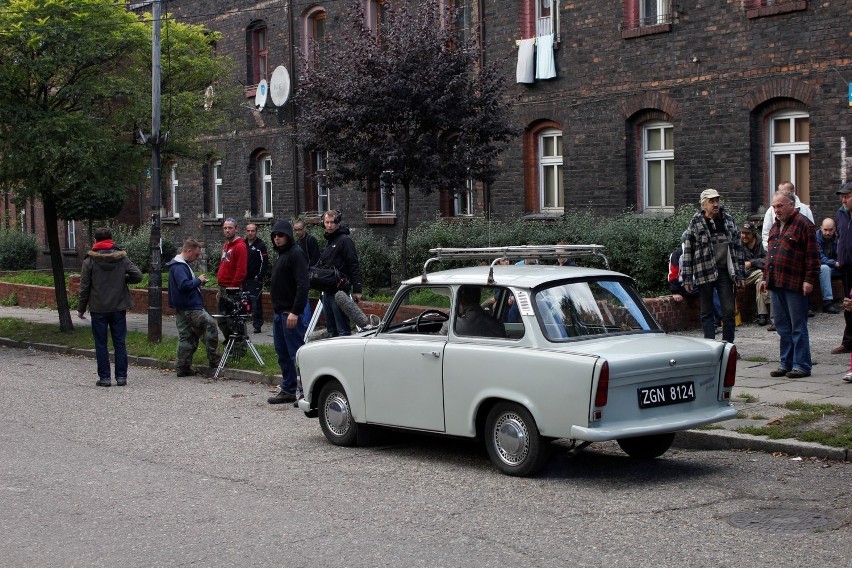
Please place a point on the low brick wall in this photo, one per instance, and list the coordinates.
(671, 315)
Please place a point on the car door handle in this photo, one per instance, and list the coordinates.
(432, 353)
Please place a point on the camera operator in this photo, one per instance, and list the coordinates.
(256, 269)
(289, 293)
(191, 318)
(232, 270)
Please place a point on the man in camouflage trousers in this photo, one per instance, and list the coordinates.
(191, 318)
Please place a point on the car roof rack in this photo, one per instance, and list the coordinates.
(513, 253)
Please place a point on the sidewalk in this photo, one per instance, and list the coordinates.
(756, 393)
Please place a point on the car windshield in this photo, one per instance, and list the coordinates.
(570, 310)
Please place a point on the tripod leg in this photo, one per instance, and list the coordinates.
(254, 352)
(228, 347)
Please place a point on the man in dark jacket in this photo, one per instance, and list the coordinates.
(103, 290)
(191, 318)
(289, 295)
(256, 268)
(843, 226)
(306, 242)
(340, 253)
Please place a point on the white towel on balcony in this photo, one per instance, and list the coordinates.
(526, 61)
(545, 66)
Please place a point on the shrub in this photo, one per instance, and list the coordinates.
(375, 258)
(18, 251)
(137, 244)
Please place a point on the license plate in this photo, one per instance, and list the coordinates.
(663, 395)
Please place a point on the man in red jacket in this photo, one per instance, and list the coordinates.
(232, 269)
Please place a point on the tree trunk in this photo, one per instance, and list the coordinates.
(66, 325)
(404, 248)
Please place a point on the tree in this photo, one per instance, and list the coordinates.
(74, 85)
(412, 106)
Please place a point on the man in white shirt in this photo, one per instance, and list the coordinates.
(769, 217)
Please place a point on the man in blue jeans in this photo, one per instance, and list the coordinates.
(103, 290)
(289, 295)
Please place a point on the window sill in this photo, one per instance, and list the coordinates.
(776, 9)
(170, 220)
(380, 218)
(251, 91)
(646, 30)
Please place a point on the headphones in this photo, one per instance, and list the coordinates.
(338, 216)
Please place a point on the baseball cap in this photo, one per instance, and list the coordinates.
(748, 227)
(844, 189)
(709, 194)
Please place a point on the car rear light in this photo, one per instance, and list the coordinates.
(731, 368)
(603, 386)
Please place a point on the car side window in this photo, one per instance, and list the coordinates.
(481, 312)
(420, 309)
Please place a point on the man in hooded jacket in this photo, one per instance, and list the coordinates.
(103, 290)
(340, 253)
(289, 295)
(191, 318)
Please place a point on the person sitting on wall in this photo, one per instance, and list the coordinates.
(755, 260)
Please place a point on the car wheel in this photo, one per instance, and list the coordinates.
(647, 447)
(335, 416)
(513, 442)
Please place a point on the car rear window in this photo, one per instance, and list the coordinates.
(591, 308)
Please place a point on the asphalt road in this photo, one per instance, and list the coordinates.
(177, 472)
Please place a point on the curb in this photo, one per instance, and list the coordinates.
(227, 374)
(727, 440)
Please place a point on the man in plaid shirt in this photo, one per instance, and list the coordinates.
(714, 258)
(792, 268)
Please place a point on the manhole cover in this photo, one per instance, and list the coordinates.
(783, 520)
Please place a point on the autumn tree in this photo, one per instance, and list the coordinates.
(407, 104)
(75, 83)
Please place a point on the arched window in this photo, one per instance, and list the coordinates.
(265, 180)
(315, 38)
(789, 152)
(658, 166)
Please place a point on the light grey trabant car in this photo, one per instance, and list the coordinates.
(519, 356)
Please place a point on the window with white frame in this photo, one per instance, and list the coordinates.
(550, 170)
(658, 165)
(387, 201)
(463, 200)
(544, 17)
(172, 210)
(320, 164)
(653, 12)
(218, 209)
(71, 234)
(266, 184)
(789, 152)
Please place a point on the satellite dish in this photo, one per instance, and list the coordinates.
(208, 98)
(260, 95)
(279, 86)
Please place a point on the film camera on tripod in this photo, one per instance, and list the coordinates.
(237, 307)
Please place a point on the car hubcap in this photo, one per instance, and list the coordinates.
(337, 415)
(511, 439)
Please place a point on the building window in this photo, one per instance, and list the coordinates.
(789, 152)
(71, 234)
(550, 170)
(543, 17)
(315, 38)
(463, 21)
(266, 184)
(216, 182)
(654, 12)
(376, 13)
(463, 200)
(171, 201)
(387, 202)
(257, 50)
(316, 183)
(658, 165)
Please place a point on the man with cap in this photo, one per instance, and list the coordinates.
(843, 225)
(714, 260)
(755, 260)
(792, 269)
